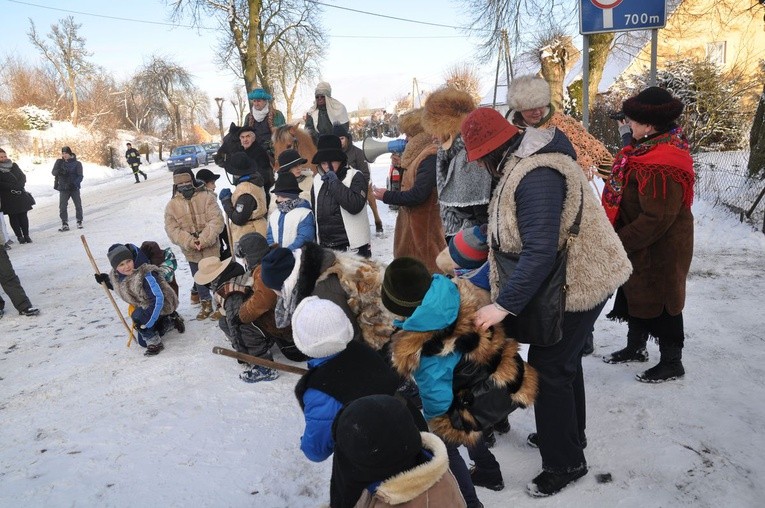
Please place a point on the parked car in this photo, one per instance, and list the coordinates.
(211, 149)
(187, 156)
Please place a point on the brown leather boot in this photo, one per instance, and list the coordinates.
(205, 311)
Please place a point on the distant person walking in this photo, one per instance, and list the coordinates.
(134, 161)
(68, 173)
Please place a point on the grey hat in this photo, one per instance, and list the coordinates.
(252, 247)
(117, 254)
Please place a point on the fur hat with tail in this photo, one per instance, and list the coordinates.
(528, 92)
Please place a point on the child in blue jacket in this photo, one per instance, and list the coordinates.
(291, 224)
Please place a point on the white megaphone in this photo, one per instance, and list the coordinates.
(373, 148)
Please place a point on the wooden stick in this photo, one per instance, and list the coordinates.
(258, 361)
(106, 288)
(230, 238)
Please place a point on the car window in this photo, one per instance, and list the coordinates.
(183, 150)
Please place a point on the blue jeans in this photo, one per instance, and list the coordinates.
(204, 292)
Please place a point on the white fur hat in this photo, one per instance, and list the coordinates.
(528, 92)
(320, 327)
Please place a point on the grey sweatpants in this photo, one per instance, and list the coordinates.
(11, 284)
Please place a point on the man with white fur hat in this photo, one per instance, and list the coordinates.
(325, 112)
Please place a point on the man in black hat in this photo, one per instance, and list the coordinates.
(290, 161)
(339, 200)
(357, 160)
(134, 161)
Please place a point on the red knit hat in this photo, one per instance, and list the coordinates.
(484, 130)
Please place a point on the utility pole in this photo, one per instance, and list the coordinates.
(503, 57)
(219, 102)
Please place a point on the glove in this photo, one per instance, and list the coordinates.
(329, 177)
(224, 194)
(101, 277)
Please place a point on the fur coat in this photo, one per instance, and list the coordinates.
(419, 233)
(131, 288)
(489, 368)
(352, 282)
(200, 219)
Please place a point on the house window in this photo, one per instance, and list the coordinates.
(716, 52)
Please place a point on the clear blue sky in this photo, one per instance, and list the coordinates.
(369, 58)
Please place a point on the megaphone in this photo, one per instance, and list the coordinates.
(373, 148)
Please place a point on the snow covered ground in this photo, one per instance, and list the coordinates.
(85, 421)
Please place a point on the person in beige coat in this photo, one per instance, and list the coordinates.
(193, 221)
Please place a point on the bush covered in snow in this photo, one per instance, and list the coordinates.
(36, 118)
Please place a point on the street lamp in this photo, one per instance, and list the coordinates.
(219, 102)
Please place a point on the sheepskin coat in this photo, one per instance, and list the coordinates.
(430, 484)
(419, 233)
(198, 218)
(489, 381)
(597, 262)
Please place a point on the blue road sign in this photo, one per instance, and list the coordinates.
(596, 16)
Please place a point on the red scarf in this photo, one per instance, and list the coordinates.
(666, 155)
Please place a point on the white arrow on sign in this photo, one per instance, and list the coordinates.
(608, 13)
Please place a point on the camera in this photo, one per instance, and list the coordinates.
(616, 115)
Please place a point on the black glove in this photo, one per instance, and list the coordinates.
(103, 277)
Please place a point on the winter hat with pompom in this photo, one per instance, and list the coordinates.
(468, 248)
(320, 327)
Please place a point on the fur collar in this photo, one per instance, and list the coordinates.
(407, 485)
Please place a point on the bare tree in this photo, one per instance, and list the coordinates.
(255, 30)
(295, 63)
(170, 84)
(464, 76)
(240, 104)
(67, 54)
(556, 55)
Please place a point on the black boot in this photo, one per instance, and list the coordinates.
(670, 367)
(487, 478)
(635, 350)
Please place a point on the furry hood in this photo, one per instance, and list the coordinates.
(528, 92)
(487, 353)
(444, 111)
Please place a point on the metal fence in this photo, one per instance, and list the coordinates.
(722, 179)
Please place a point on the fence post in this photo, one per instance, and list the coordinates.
(111, 157)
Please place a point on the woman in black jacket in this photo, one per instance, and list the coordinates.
(15, 202)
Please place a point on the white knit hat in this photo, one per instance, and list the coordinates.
(528, 92)
(320, 327)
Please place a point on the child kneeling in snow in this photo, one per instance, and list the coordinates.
(153, 302)
(231, 285)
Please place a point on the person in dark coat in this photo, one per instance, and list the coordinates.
(68, 173)
(259, 158)
(15, 202)
(339, 199)
(540, 193)
(134, 161)
(648, 200)
(263, 118)
(12, 286)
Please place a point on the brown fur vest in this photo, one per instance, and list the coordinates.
(130, 288)
(490, 363)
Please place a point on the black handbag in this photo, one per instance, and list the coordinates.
(540, 323)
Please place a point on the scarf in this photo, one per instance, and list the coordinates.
(5, 167)
(459, 182)
(665, 154)
(259, 115)
(287, 302)
(289, 205)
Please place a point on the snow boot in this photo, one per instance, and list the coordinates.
(27, 239)
(178, 322)
(589, 347)
(488, 478)
(205, 311)
(489, 438)
(194, 297)
(669, 368)
(635, 350)
(30, 311)
(64, 227)
(502, 426)
(547, 483)
(154, 349)
(79, 224)
(22, 240)
(215, 316)
(258, 373)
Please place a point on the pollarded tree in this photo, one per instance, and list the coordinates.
(67, 54)
(556, 54)
(464, 76)
(254, 30)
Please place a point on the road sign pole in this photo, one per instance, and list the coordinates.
(654, 51)
(586, 82)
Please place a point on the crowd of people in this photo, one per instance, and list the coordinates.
(411, 359)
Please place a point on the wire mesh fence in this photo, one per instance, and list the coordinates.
(722, 179)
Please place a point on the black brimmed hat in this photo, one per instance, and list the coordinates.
(330, 149)
(653, 106)
(288, 159)
(287, 186)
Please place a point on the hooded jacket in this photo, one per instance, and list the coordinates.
(198, 218)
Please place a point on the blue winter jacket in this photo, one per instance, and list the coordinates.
(306, 229)
(319, 410)
(434, 375)
(146, 316)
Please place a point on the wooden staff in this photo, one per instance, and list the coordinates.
(259, 361)
(106, 288)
